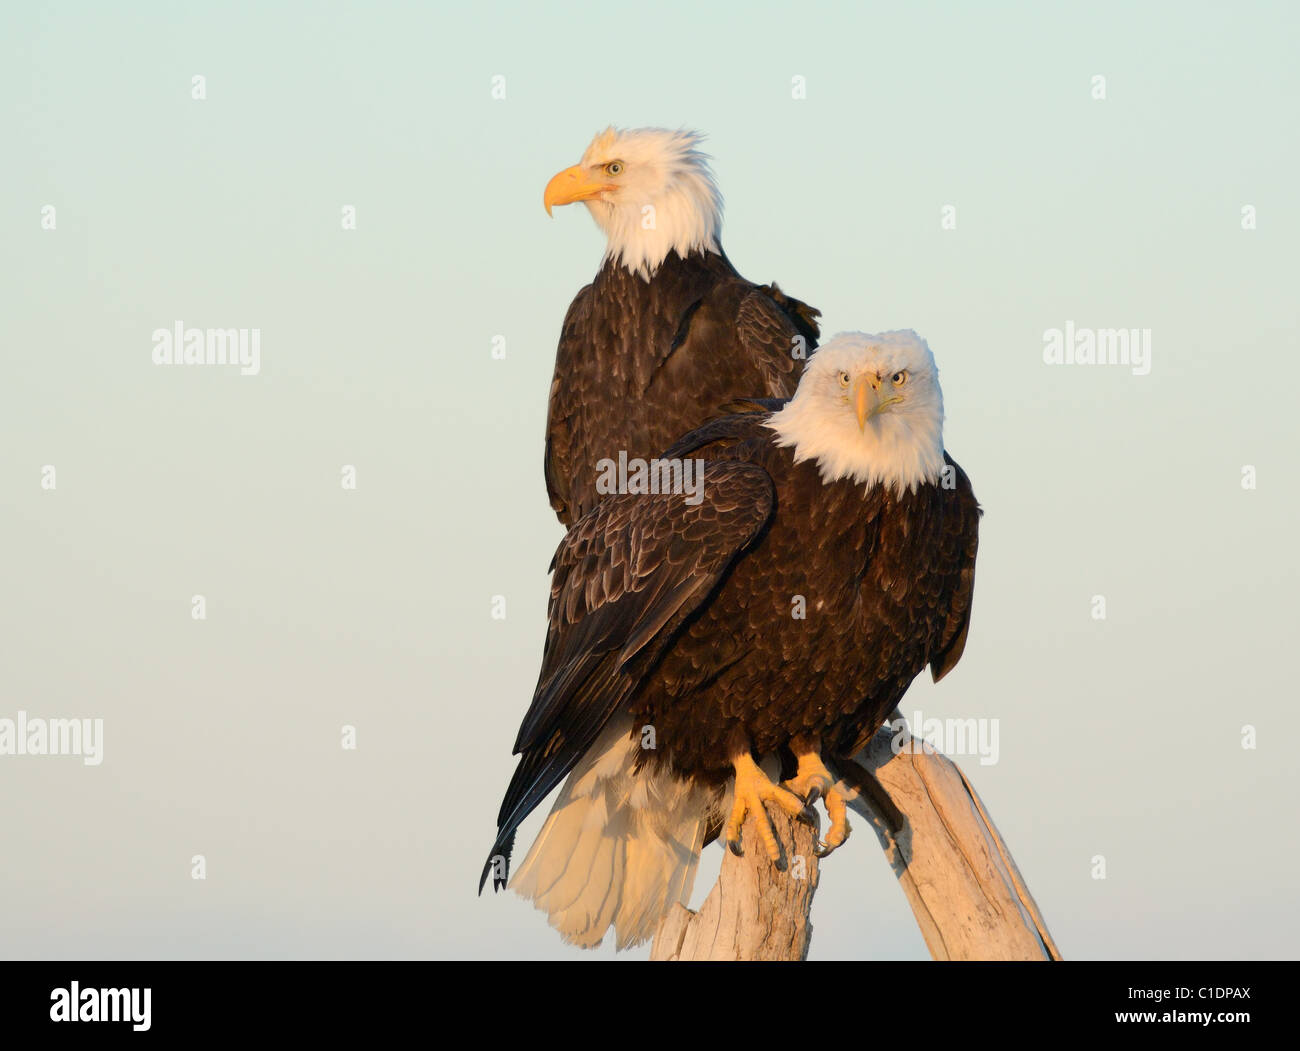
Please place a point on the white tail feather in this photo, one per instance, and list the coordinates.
(618, 848)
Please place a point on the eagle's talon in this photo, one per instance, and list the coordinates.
(815, 782)
(835, 839)
(734, 846)
(753, 790)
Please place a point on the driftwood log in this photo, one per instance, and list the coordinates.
(968, 897)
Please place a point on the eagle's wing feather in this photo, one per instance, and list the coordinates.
(958, 542)
(558, 460)
(766, 327)
(801, 315)
(625, 578)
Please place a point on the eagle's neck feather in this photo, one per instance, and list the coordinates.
(900, 454)
(686, 218)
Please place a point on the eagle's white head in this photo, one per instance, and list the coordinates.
(650, 190)
(868, 408)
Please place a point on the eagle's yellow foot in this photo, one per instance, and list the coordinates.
(753, 789)
(812, 781)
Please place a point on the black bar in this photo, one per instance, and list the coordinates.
(675, 1006)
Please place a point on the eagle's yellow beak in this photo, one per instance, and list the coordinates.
(865, 402)
(571, 185)
(871, 401)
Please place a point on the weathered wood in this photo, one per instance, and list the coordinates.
(967, 894)
(755, 910)
(964, 888)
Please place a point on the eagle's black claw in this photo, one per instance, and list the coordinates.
(820, 849)
(734, 846)
(808, 816)
(814, 794)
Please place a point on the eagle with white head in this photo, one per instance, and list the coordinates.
(650, 190)
(668, 331)
(677, 615)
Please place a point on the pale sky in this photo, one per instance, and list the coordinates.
(328, 607)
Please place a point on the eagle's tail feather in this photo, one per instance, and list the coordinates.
(619, 847)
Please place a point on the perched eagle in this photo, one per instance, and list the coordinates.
(668, 331)
(681, 619)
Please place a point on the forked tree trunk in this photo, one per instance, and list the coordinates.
(966, 893)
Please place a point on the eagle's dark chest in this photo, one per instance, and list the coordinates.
(648, 362)
(820, 629)
(635, 332)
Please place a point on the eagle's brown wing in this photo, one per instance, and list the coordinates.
(625, 577)
(558, 463)
(958, 543)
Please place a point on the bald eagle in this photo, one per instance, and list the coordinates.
(668, 331)
(681, 619)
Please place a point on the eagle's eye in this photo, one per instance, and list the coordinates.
(614, 167)
(899, 377)
(844, 379)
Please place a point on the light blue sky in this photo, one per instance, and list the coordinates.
(325, 607)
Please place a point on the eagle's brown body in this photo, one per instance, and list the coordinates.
(642, 362)
(844, 597)
(685, 616)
